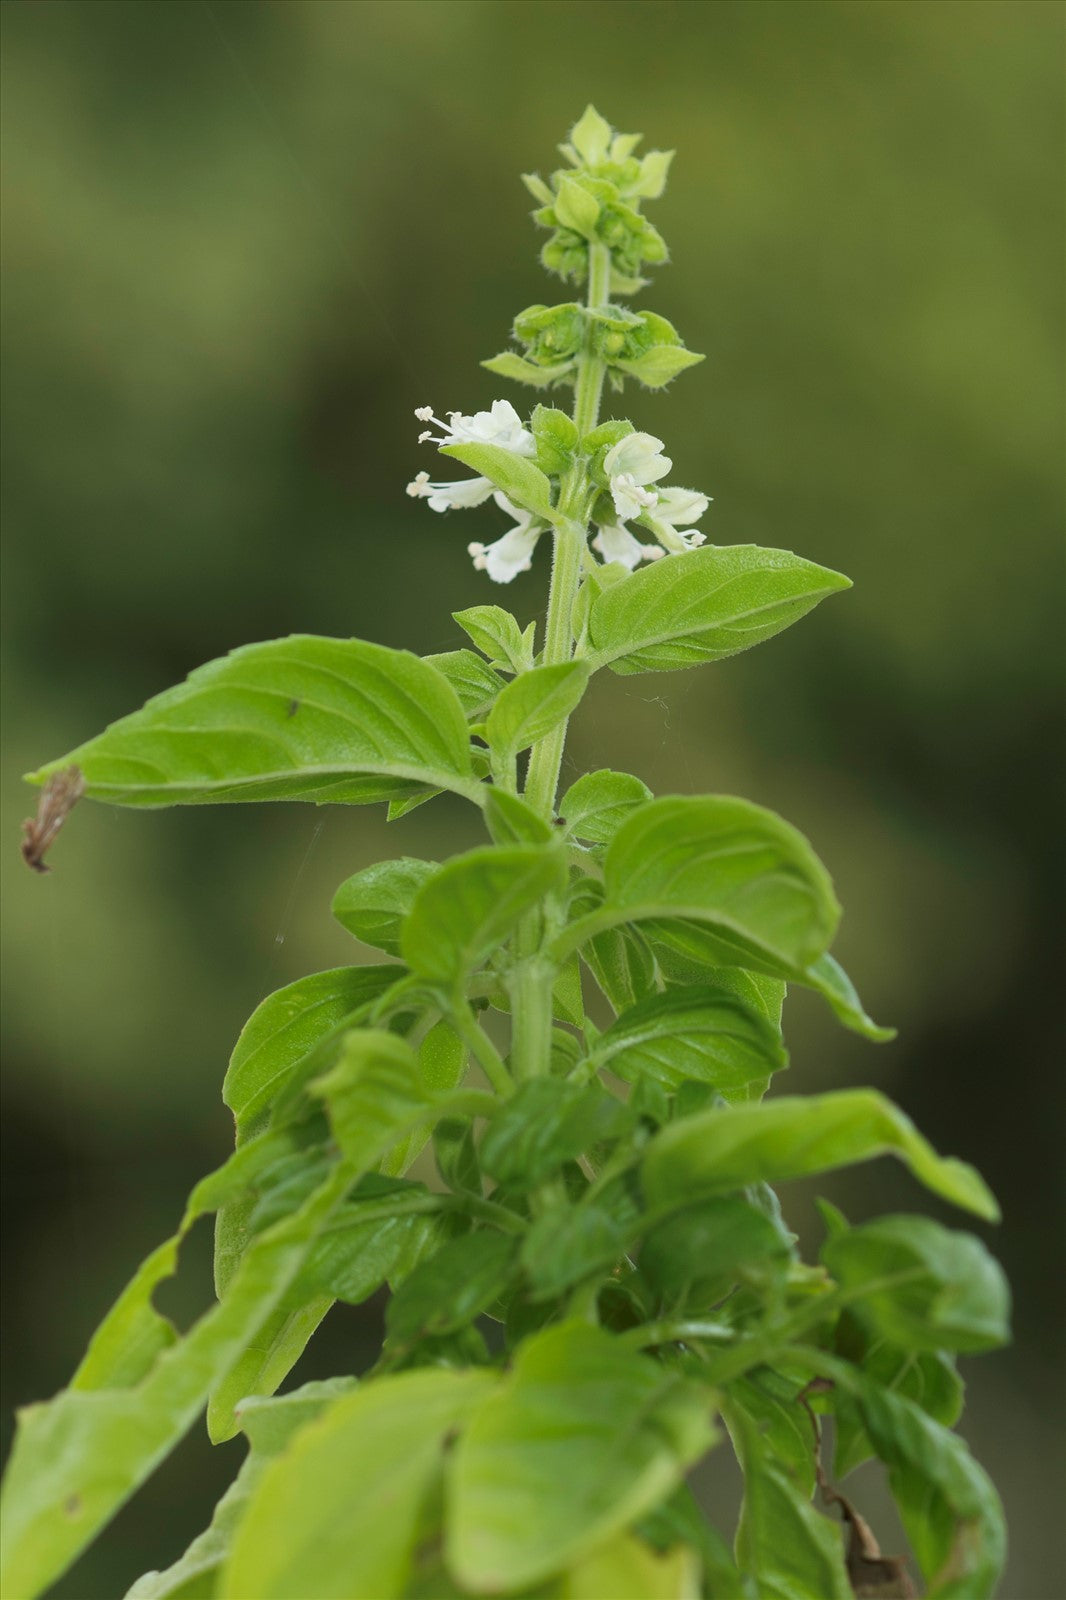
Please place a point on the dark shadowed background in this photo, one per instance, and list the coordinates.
(243, 241)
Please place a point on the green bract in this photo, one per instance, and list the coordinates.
(588, 1264)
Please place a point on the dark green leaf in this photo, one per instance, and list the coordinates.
(457, 1162)
(372, 903)
(546, 1123)
(452, 1287)
(569, 1243)
(301, 718)
(792, 1137)
(702, 606)
(581, 1439)
(693, 1259)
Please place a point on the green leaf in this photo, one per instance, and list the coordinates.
(519, 479)
(595, 807)
(795, 1136)
(364, 1246)
(950, 1510)
(791, 1550)
(452, 1287)
(339, 1513)
(533, 704)
(928, 1378)
(497, 635)
(270, 1424)
(627, 1569)
(78, 1457)
(693, 1033)
(374, 1094)
(591, 136)
(569, 1243)
(694, 1258)
(456, 1153)
(284, 1029)
(264, 1363)
(300, 718)
(511, 821)
(736, 868)
(372, 903)
(581, 1439)
(510, 365)
(657, 366)
(473, 903)
(829, 979)
(546, 1123)
(474, 682)
(702, 606)
(923, 1286)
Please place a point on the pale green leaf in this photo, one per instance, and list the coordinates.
(795, 1136)
(658, 366)
(508, 364)
(692, 1033)
(301, 718)
(703, 605)
(338, 1515)
(582, 1438)
(519, 479)
(576, 208)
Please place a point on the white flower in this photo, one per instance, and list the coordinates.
(513, 553)
(616, 543)
(680, 506)
(501, 426)
(630, 464)
(450, 496)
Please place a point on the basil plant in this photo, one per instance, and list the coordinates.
(592, 1282)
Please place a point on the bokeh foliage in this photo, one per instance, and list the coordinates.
(242, 242)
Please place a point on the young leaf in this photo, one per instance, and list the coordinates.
(579, 1441)
(519, 479)
(789, 1548)
(511, 821)
(736, 868)
(595, 807)
(545, 1124)
(452, 1287)
(702, 606)
(792, 1137)
(372, 903)
(300, 718)
(694, 1033)
(474, 682)
(339, 1513)
(533, 704)
(497, 635)
(658, 366)
(270, 1424)
(930, 1288)
(569, 1243)
(374, 1093)
(508, 364)
(471, 905)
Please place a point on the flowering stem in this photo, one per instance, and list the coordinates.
(533, 977)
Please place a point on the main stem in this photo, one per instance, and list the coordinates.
(533, 975)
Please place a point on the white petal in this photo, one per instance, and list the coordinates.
(629, 498)
(680, 506)
(638, 456)
(501, 426)
(616, 543)
(509, 556)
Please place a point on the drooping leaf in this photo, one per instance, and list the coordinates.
(702, 606)
(791, 1550)
(696, 1033)
(372, 903)
(269, 1424)
(548, 1122)
(794, 1136)
(519, 479)
(928, 1378)
(338, 1514)
(301, 718)
(596, 805)
(473, 903)
(532, 705)
(580, 1440)
(929, 1287)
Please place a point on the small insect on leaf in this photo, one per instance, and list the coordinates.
(58, 798)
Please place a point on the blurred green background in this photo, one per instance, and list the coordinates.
(243, 241)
